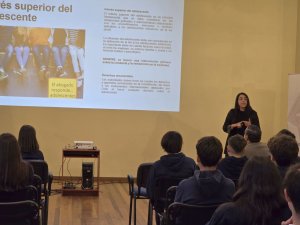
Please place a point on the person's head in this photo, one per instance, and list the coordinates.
(286, 132)
(284, 149)
(236, 144)
(291, 186)
(171, 142)
(259, 190)
(252, 133)
(209, 151)
(242, 101)
(12, 171)
(27, 139)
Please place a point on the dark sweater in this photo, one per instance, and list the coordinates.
(231, 166)
(171, 165)
(207, 187)
(34, 155)
(231, 214)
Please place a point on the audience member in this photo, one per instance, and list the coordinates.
(208, 185)
(254, 146)
(292, 193)
(284, 151)
(259, 198)
(15, 173)
(174, 164)
(232, 166)
(286, 132)
(28, 143)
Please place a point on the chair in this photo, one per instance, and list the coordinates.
(170, 196)
(138, 191)
(40, 168)
(28, 193)
(160, 199)
(185, 214)
(19, 213)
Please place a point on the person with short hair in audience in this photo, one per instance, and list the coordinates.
(284, 151)
(29, 145)
(286, 132)
(232, 166)
(208, 185)
(291, 186)
(259, 198)
(15, 173)
(254, 145)
(174, 164)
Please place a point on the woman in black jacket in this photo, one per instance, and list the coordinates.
(240, 117)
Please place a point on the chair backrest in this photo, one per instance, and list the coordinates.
(170, 196)
(40, 167)
(185, 214)
(19, 213)
(27, 193)
(162, 184)
(142, 175)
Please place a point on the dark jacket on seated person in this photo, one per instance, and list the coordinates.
(231, 214)
(175, 165)
(33, 155)
(207, 187)
(231, 166)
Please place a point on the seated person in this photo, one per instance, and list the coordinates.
(259, 198)
(28, 143)
(174, 164)
(232, 166)
(284, 151)
(292, 193)
(15, 173)
(208, 185)
(286, 132)
(254, 147)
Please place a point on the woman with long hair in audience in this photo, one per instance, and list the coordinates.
(15, 173)
(29, 145)
(259, 198)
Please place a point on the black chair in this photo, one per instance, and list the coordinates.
(19, 213)
(138, 191)
(170, 196)
(40, 168)
(27, 193)
(160, 201)
(185, 214)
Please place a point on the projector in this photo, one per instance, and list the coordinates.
(84, 145)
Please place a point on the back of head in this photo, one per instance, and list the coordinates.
(27, 139)
(284, 149)
(259, 189)
(209, 151)
(253, 133)
(286, 132)
(12, 171)
(292, 186)
(171, 142)
(237, 143)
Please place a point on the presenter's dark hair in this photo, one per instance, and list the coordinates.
(171, 142)
(236, 104)
(292, 185)
(237, 143)
(259, 191)
(209, 150)
(284, 149)
(253, 133)
(27, 139)
(14, 172)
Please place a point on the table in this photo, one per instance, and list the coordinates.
(81, 153)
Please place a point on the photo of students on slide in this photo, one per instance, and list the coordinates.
(36, 62)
